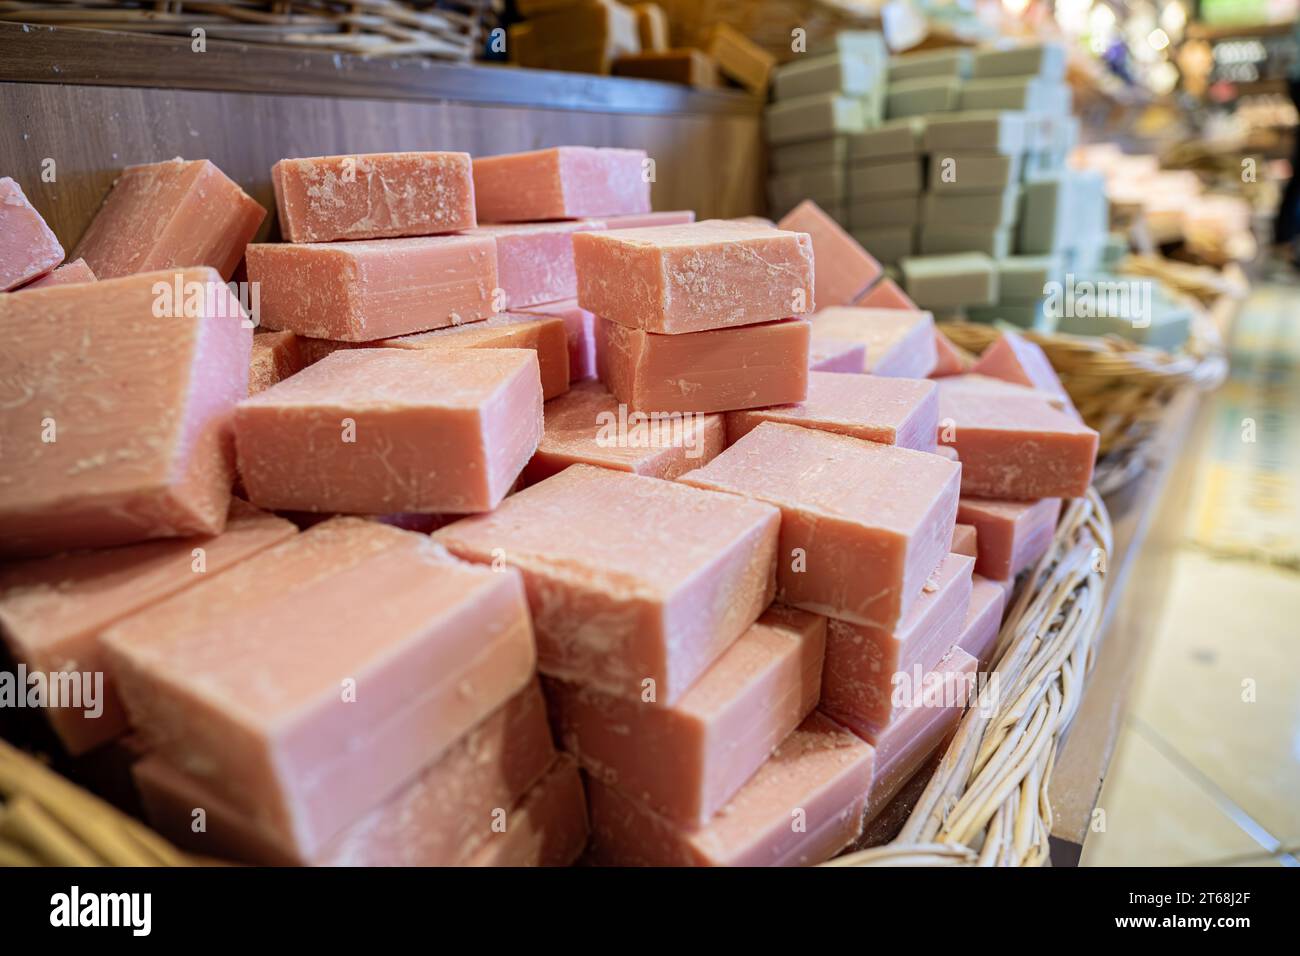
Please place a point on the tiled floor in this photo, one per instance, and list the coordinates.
(1208, 765)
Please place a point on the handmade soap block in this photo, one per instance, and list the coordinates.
(347, 705)
(821, 769)
(1012, 535)
(844, 268)
(579, 333)
(888, 244)
(831, 73)
(862, 524)
(275, 356)
(740, 59)
(1029, 93)
(998, 208)
(921, 96)
(955, 62)
(644, 220)
(971, 387)
(66, 274)
(169, 215)
(968, 172)
(686, 65)
(548, 827)
(979, 635)
(546, 335)
(1047, 60)
(1028, 278)
(813, 117)
(1014, 358)
(793, 157)
(583, 37)
(951, 360)
(706, 275)
(651, 25)
(886, 294)
(615, 611)
(373, 196)
(887, 211)
(892, 139)
(52, 610)
(885, 180)
(824, 185)
(685, 761)
(116, 422)
(373, 431)
(28, 247)
(361, 291)
(963, 539)
(714, 371)
(1017, 450)
(939, 239)
(564, 182)
(994, 131)
(829, 355)
(892, 411)
(950, 281)
(899, 344)
(588, 425)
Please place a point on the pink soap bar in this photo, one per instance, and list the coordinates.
(862, 524)
(28, 247)
(590, 426)
(564, 182)
(950, 361)
(535, 260)
(276, 356)
(945, 452)
(972, 387)
(1014, 449)
(830, 355)
(548, 827)
(1011, 535)
(66, 274)
(545, 335)
(373, 431)
(818, 778)
(116, 421)
(1015, 359)
(373, 196)
(979, 634)
(706, 275)
(892, 411)
(715, 371)
(886, 294)
(578, 329)
(614, 610)
(644, 220)
(844, 269)
(865, 665)
(170, 215)
(306, 706)
(441, 819)
(964, 538)
(362, 291)
(686, 760)
(53, 609)
(898, 343)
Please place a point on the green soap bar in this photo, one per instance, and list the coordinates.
(1017, 93)
(895, 211)
(950, 281)
(868, 45)
(994, 131)
(893, 138)
(835, 73)
(945, 239)
(890, 244)
(816, 182)
(973, 209)
(813, 117)
(953, 63)
(972, 172)
(917, 97)
(1018, 315)
(1024, 278)
(793, 157)
(873, 107)
(884, 180)
(1044, 214)
(1044, 60)
(1167, 329)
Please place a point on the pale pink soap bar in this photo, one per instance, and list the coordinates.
(547, 827)
(644, 220)
(443, 818)
(276, 356)
(373, 431)
(578, 328)
(949, 359)
(52, 610)
(1014, 358)
(564, 182)
(864, 664)
(970, 386)
(886, 294)
(892, 411)
(718, 370)
(862, 524)
(290, 696)
(802, 807)
(979, 634)
(28, 247)
(614, 610)
(373, 196)
(686, 760)
(706, 275)
(830, 355)
(590, 426)
(170, 215)
(1011, 535)
(374, 289)
(844, 269)
(964, 538)
(898, 343)
(545, 335)
(66, 274)
(535, 260)
(117, 423)
(1015, 449)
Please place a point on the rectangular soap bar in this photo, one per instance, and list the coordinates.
(348, 705)
(686, 65)
(706, 275)
(813, 117)
(950, 281)
(579, 331)
(644, 220)
(1028, 278)
(53, 609)
(819, 774)
(590, 426)
(275, 356)
(890, 140)
(28, 247)
(887, 211)
(174, 214)
(971, 172)
(373, 431)
(1012, 535)
(885, 180)
(844, 268)
(829, 355)
(563, 182)
(899, 343)
(651, 25)
(969, 385)
(66, 274)
(892, 411)
(964, 539)
(1029, 93)
(939, 239)
(824, 185)
(889, 244)
(952, 62)
(535, 260)
(547, 827)
(886, 294)
(921, 96)
(996, 131)
(793, 157)
(862, 524)
(116, 422)
(373, 195)
(1047, 60)
(612, 610)
(685, 761)
(979, 635)
(865, 665)
(741, 59)
(546, 335)
(830, 73)
(373, 289)
(715, 371)
(582, 37)
(997, 208)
